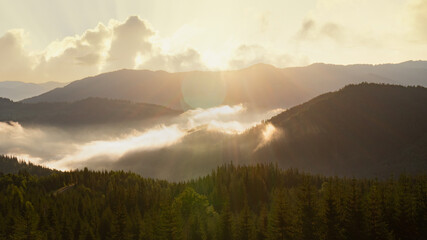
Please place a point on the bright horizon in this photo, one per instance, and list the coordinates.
(47, 41)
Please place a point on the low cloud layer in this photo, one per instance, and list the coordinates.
(61, 149)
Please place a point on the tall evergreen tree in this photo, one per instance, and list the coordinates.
(226, 222)
(119, 222)
(26, 225)
(279, 222)
(262, 224)
(405, 226)
(354, 222)
(332, 220)
(245, 225)
(378, 229)
(308, 211)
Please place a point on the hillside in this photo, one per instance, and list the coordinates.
(363, 130)
(233, 202)
(17, 91)
(259, 87)
(84, 112)
(13, 165)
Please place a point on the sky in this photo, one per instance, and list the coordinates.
(59, 40)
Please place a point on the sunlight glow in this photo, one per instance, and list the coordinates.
(138, 60)
(233, 127)
(42, 145)
(214, 113)
(152, 139)
(268, 132)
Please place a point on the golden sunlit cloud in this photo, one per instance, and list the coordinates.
(314, 31)
(58, 149)
(268, 133)
(155, 138)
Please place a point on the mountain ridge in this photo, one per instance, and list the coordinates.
(260, 86)
(88, 111)
(363, 130)
(17, 91)
(368, 123)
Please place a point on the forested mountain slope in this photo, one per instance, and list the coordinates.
(362, 129)
(233, 202)
(13, 165)
(83, 112)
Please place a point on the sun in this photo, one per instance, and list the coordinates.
(214, 61)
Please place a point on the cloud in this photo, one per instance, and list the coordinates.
(129, 44)
(417, 11)
(306, 30)
(247, 55)
(69, 149)
(129, 39)
(188, 60)
(155, 138)
(15, 61)
(310, 30)
(74, 57)
(269, 133)
(132, 44)
(33, 142)
(264, 20)
(332, 30)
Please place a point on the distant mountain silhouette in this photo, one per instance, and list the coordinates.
(20, 90)
(83, 112)
(259, 87)
(361, 130)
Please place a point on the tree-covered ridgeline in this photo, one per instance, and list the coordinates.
(233, 202)
(10, 164)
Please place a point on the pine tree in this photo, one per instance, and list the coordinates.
(172, 224)
(378, 229)
(405, 219)
(226, 221)
(119, 228)
(88, 235)
(308, 211)
(105, 226)
(245, 227)
(279, 227)
(332, 221)
(66, 233)
(26, 225)
(262, 224)
(354, 222)
(421, 209)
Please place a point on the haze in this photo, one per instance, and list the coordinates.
(81, 38)
(62, 149)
